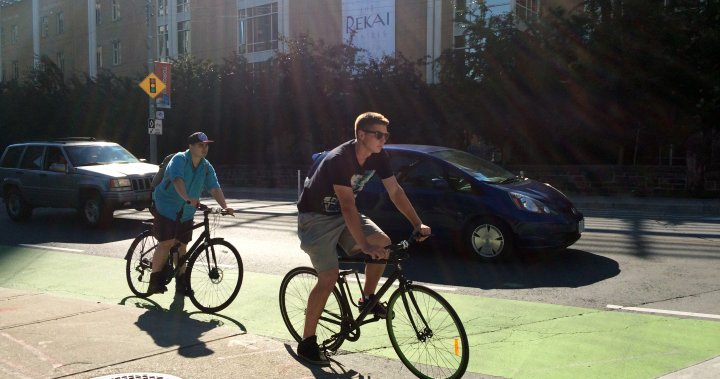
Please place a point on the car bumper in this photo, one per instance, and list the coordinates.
(535, 235)
(128, 200)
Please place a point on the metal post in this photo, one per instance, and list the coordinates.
(151, 68)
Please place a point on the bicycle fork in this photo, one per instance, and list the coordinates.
(424, 333)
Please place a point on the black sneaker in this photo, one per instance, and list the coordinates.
(378, 310)
(309, 351)
(157, 283)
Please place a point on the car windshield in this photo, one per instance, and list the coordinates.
(477, 167)
(89, 155)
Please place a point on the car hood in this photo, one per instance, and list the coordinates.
(543, 192)
(119, 170)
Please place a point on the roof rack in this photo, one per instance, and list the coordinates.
(74, 139)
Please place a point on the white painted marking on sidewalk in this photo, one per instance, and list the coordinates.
(663, 311)
(51, 248)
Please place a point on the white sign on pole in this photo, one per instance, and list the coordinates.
(155, 127)
(370, 25)
(160, 115)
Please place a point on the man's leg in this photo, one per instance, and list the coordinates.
(160, 257)
(317, 299)
(374, 271)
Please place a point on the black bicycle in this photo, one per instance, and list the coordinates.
(424, 329)
(214, 271)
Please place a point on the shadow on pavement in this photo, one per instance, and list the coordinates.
(65, 226)
(336, 369)
(177, 327)
(569, 268)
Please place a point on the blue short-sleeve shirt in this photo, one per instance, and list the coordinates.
(202, 177)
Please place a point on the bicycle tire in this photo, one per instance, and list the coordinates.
(215, 274)
(443, 352)
(138, 263)
(294, 291)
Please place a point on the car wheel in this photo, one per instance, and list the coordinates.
(488, 239)
(93, 212)
(17, 208)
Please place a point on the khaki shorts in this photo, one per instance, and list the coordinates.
(321, 234)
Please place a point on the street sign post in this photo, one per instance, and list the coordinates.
(155, 127)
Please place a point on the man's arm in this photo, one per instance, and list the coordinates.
(402, 203)
(179, 185)
(350, 214)
(219, 196)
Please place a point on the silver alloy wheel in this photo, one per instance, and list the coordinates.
(92, 211)
(487, 240)
(13, 204)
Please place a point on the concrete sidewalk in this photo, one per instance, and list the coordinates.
(46, 336)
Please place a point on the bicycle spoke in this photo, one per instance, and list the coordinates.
(215, 275)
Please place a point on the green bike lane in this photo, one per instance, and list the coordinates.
(508, 338)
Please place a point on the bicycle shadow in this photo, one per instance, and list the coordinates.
(568, 268)
(177, 327)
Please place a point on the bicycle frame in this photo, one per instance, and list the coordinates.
(350, 328)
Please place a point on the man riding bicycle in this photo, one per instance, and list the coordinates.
(187, 174)
(328, 217)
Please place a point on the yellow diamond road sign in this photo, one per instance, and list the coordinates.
(152, 85)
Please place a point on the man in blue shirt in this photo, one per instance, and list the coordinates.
(178, 195)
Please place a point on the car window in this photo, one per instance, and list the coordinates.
(32, 159)
(12, 157)
(414, 171)
(479, 168)
(89, 155)
(53, 154)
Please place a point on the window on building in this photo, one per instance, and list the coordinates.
(183, 37)
(116, 53)
(60, 23)
(162, 7)
(163, 42)
(98, 12)
(60, 61)
(115, 10)
(14, 35)
(182, 6)
(98, 55)
(527, 10)
(15, 70)
(258, 28)
(44, 26)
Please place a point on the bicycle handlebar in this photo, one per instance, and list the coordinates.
(214, 210)
(398, 252)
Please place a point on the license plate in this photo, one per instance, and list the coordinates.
(581, 226)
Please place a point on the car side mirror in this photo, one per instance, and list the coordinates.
(58, 167)
(440, 183)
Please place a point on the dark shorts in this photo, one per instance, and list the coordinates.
(165, 229)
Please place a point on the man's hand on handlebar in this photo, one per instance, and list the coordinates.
(228, 211)
(376, 252)
(421, 233)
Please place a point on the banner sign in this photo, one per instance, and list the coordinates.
(163, 71)
(370, 25)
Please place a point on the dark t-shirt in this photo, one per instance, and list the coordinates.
(340, 167)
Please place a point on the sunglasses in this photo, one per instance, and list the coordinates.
(378, 134)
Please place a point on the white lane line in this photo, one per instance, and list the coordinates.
(663, 311)
(51, 248)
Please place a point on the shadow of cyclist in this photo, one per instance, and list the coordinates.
(177, 327)
(336, 369)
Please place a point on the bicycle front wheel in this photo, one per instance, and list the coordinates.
(427, 334)
(138, 265)
(294, 291)
(214, 274)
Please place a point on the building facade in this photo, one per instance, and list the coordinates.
(84, 37)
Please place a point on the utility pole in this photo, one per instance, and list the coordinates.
(151, 68)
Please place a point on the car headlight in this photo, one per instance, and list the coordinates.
(120, 184)
(527, 203)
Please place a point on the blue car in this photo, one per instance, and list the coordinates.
(471, 204)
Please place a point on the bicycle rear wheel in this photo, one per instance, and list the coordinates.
(294, 291)
(215, 274)
(138, 265)
(427, 334)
